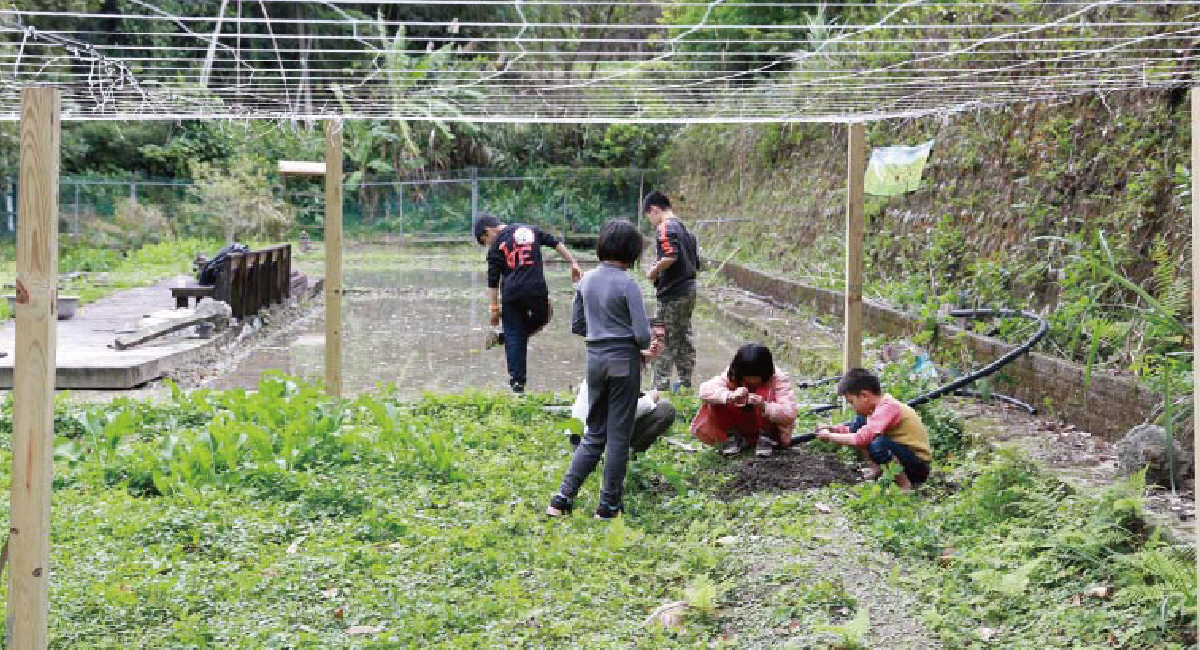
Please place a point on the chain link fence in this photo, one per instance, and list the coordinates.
(445, 203)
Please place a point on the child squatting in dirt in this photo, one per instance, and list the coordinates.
(887, 428)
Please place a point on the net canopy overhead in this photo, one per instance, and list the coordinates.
(584, 60)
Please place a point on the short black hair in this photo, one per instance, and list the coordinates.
(656, 199)
(484, 222)
(619, 241)
(751, 360)
(856, 380)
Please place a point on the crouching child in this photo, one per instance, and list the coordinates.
(886, 428)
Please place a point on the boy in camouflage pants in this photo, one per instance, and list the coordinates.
(674, 277)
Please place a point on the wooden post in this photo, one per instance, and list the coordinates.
(474, 197)
(856, 170)
(33, 370)
(637, 214)
(333, 257)
(1196, 272)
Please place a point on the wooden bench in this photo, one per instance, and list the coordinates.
(249, 282)
(197, 291)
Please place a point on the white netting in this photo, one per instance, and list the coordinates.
(585, 60)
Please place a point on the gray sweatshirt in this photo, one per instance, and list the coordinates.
(608, 306)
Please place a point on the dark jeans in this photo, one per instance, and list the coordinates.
(521, 318)
(613, 379)
(650, 426)
(883, 449)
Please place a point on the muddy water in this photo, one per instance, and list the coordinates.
(422, 329)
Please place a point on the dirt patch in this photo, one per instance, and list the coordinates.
(799, 468)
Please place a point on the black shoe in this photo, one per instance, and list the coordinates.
(560, 506)
(517, 387)
(575, 440)
(605, 511)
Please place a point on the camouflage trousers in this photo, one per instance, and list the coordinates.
(680, 354)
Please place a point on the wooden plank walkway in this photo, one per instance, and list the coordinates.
(84, 358)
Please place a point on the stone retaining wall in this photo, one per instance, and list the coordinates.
(1107, 407)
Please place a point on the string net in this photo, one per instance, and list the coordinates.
(584, 60)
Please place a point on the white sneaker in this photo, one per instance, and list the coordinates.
(764, 448)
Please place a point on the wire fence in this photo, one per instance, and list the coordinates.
(576, 200)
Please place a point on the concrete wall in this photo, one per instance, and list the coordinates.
(1107, 407)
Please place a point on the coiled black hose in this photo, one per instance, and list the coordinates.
(990, 368)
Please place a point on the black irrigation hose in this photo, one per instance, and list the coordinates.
(1007, 399)
(992, 367)
(813, 383)
(956, 385)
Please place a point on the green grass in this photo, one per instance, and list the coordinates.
(284, 519)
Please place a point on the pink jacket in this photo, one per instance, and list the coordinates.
(780, 407)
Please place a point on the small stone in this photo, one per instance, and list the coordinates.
(1103, 592)
(946, 556)
(669, 615)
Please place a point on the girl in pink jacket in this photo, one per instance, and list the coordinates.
(751, 405)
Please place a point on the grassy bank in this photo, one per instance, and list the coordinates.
(1034, 208)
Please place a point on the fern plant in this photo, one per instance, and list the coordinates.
(1163, 577)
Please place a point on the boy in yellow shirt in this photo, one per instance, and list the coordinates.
(885, 427)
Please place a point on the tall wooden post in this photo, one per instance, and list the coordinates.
(333, 257)
(1196, 276)
(33, 370)
(637, 211)
(474, 197)
(856, 167)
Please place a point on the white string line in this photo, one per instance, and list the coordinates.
(211, 53)
(669, 4)
(521, 114)
(180, 21)
(375, 51)
(21, 51)
(520, 45)
(820, 49)
(274, 44)
(469, 40)
(701, 25)
(1121, 45)
(85, 51)
(877, 90)
(182, 75)
(573, 40)
(978, 44)
(563, 57)
(1066, 82)
(672, 44)
(873, 70)
(836, 117)
(1076, 66)
(1015, 66)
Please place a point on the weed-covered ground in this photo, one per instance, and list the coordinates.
(285, 519)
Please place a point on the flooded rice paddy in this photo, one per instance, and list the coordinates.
(417, 320)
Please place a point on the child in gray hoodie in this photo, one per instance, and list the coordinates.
(609, 313)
